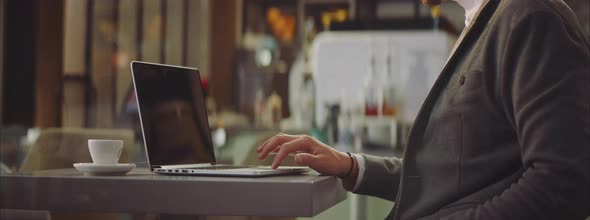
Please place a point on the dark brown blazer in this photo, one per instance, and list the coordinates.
(505, 130)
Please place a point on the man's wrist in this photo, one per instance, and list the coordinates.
(351, 166)
(348, 181)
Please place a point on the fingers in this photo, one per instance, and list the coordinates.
(272, 144)
(263, 144)
(303, 143)
(305, 159)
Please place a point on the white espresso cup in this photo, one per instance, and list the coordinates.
(105, 152)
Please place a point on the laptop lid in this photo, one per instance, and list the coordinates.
(173, 114)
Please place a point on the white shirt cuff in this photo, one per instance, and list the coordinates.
(361, 165)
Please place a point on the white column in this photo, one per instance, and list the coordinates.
(73, 112)
(198, 36)
(174, 24)
(152, 26)
(127, 36)
(102, 67)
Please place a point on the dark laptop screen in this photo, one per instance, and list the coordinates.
(173, 114)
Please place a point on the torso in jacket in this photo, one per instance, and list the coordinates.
(507, 124)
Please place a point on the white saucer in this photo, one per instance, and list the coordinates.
(92, 169)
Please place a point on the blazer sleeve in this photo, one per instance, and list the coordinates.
(544, 90)
(381, 178)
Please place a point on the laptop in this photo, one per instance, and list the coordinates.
(175, 126)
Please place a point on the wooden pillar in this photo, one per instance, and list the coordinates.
(222, 51)
(1, 61)
(49, 62)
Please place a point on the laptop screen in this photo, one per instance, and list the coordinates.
(173, 114)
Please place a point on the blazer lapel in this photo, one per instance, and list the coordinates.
(484, 4)
(483, 15)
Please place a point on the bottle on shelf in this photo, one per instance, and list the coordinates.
(372, 88)
(274, 108)
(389, 90)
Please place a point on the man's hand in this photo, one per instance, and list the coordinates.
(309, 152)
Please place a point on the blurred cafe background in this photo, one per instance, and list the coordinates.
(352, 73)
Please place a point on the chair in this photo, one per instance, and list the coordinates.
(4, 169)
(58, 148)
(11, 152)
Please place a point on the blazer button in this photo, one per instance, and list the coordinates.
(462, 80)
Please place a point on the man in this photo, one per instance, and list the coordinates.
(504, 133)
